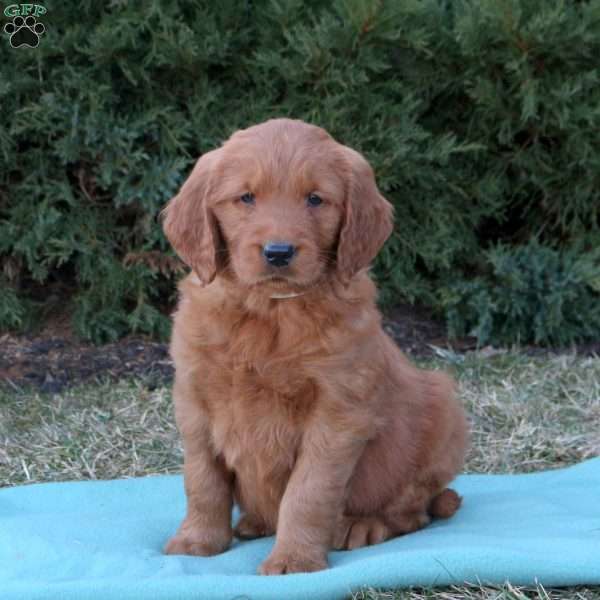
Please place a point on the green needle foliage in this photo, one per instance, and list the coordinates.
(531, 293)
(480, 118)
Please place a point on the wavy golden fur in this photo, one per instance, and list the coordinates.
(290, 398)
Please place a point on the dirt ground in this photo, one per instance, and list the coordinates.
(55, 360)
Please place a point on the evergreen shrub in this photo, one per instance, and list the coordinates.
(531, 293)
(480, 118)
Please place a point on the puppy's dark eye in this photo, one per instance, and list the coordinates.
(314, 200)
(247, 198)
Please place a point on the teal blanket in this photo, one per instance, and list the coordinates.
(103, 540)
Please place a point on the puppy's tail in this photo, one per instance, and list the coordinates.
(445, 504)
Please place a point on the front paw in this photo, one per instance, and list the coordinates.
(295, 561)
(198, 541)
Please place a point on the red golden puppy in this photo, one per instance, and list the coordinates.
(290, 398)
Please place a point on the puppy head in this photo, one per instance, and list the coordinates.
(279, 204)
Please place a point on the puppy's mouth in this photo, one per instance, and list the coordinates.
(278, 281)
(282, 283)
(276, 278)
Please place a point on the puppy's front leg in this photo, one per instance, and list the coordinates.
(206, 529)
(313, 499)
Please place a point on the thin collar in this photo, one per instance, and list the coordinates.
(282, 296)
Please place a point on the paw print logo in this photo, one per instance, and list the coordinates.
(24, 32)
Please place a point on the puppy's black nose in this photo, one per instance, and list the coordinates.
(278, 254)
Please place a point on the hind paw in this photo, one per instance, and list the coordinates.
(355, 532)
(250, 527)
(445, 504)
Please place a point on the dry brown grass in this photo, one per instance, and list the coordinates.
(478, 592)
(93, 432)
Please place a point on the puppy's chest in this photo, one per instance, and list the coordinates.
(269, 394)
(257, 358)
(259, 425)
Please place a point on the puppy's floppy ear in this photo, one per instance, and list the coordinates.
(189, 223)
(367, 221)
